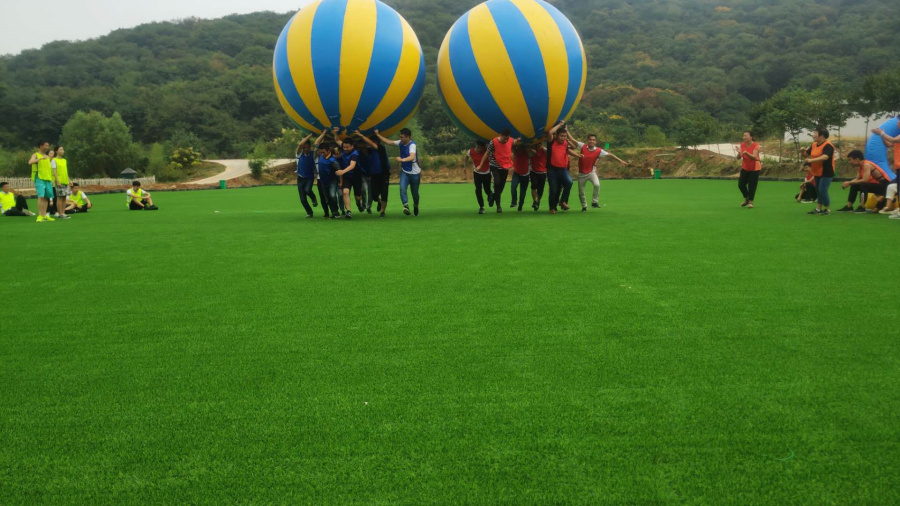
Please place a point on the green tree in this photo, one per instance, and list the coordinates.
(694, 129)
(791, 110)
(98, 145)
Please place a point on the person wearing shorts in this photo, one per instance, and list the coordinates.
(42, 175)
(60, 168)
(349, 163)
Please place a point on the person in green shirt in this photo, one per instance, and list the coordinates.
(12, 204)
(42, 175)
(60, 167)
(78, 201)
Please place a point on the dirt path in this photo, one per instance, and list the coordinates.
(233, 169)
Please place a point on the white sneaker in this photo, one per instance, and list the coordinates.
(895, 216)
(64, 216)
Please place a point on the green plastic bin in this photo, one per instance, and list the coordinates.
(657, 174)
(223, 184)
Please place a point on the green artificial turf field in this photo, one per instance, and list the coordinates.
(671, 347)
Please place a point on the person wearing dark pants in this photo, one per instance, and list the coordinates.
(821, 165)
(558, 177)
(11, 203)
(329, 188)
(521, 170)
(410, 170)
(751, 166)
(499, 158)
(871, 179)
(306, 175)
(483, 178)
(538, 177)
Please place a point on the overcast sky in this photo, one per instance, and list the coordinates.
(87, 19)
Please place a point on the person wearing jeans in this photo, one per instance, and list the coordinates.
(821, 165)
(558, 176)
(411, 172)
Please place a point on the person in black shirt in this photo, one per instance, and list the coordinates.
(820, 158)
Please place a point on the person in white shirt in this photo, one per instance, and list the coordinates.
(587, 168)
(411, 173)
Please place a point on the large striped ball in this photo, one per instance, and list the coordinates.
(353, 64)
(516, 64)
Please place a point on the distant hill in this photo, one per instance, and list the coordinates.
(650, 62)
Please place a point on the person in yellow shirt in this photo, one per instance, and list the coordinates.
(60, 167)
(78, 201)
(42, 175)
(12, 204)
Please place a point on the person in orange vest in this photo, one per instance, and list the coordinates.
(481, 174)
(587, 168)
(820, 158)
(499, 159)
(870, 179)
(751, 166)
(558, 158)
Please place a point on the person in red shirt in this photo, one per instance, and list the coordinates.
(587, 168)
(558, 154)
(499, 158)
(482, 174)
(748, 153)
(521, 169)
(538, 175)
(808, 191)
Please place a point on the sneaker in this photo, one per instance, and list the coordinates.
(859, 210)
(64, 217)
(744, 203)
(416, 210)
(481, 210)
(584, 209)
(40, 219)
(553, 211)
(894, 217)
(814, 211)
(520, 209)
(825, 213)
(845, 209)
(314, 201)
(406, 210)
(308, 216)
(381, 215)
(595, 205)
(349, 216)
(369, 210)
(48, 218)
(499, 210)
(333, 217)
(564, 206)
(535, 206)
(512, 205)
(886, 211)
(490, 201)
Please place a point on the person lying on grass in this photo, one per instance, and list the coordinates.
(138, 199)
(11, 203)
(78, 201)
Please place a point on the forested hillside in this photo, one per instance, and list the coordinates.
(651, 62)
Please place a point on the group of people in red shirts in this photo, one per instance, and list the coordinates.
(539, 164)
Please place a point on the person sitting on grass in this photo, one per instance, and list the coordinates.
(11, 203)
(870, 179)
(889, 141)
(139, 200)
(808, 193)
(78, 201)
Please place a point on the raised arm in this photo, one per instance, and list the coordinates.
(383, 138)
(616, 158)
(322, 136)
(367, 140)
(555, 128)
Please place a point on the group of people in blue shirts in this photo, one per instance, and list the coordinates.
(359, 164)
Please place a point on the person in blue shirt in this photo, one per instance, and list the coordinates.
(349, 163)
(329, 188)
(376, 156)
(306, 174)
(411, 172)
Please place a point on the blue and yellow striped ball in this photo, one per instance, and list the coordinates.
(516, 64)
(353, 64)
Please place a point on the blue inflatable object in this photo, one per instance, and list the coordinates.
(351, 64)
(877, 152)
